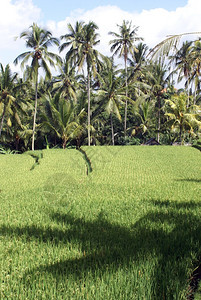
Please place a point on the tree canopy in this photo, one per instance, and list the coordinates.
(157, 95)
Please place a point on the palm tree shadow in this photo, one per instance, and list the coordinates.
(106, 245)
(190, 180)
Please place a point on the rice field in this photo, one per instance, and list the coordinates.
(128, 227)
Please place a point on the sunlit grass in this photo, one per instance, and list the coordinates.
(131, 229)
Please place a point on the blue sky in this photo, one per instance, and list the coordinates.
(60, 9)
(156, 19)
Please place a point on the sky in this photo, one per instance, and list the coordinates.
(156, 19)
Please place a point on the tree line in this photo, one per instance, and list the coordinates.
(92, 99)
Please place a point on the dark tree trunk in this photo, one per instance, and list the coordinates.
(89, 107)
(35, 112)
(126, 105)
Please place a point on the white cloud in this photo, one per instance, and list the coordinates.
(158, 23)
(154, 25)
(16, 16)
(106, 17)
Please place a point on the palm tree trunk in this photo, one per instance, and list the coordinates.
(112, 128)
(159, 120)
(35, 112)
(89, 107)
(188, 99)
(2, 120)
(180, 136)
(195, 95)
(64, 143)
(126, 105)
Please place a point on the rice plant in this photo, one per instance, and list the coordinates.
(129, 229)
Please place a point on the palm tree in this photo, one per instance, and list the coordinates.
(38, 40)
(182, 59)
(158, 80)
(170, 43)
(22, 108)
(181, 117)
(143, 110)
(195, 56)
(73, 39)
(136, 70)
(7, 99)
(66, 82)
(140, 54)
(111, 93)
(123, 45)
(83, 40)
(62, 117)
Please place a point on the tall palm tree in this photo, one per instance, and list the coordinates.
(158, 80)
(137, 68)
(7, 98)
(182, 59)
(111, 93)
(195, 56)
(82, 40)
(123, 45)
(38, 40)
(73, 39)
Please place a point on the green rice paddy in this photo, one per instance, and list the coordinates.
(128, 229)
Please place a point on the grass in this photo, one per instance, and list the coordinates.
(130, 229)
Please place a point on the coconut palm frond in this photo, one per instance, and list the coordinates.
(169, 44)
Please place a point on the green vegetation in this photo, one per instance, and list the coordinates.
(81, 97)
(198, 294)
(100, 222)
(197, 144)
(38, 40)
(131, 229)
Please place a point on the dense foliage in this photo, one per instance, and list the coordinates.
(89, 99)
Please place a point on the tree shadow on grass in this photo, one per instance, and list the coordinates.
(172, 231)
(190, 180)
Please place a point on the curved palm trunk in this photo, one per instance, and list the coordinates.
(35, 111)
(89, 107)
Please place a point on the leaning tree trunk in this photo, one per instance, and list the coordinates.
(126, 105)
(35, 112)
(112, 128)
(89, 107)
